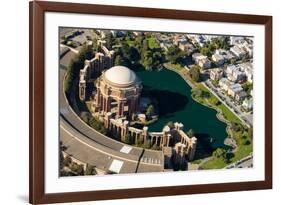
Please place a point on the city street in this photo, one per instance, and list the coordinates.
(246, 162)
(247, 118)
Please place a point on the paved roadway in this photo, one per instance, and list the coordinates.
(246, 162)
(89, 146)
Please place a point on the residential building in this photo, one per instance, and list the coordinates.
(237, 76)
(239, 97)
(229, 69)
(248, 69)
(218, 59)
(227, 55)
(224, 83)
(216, 74)
(235, 40)
(201, 60)
(248, 104)
(187, 47)
(238, 52)
(234, 89)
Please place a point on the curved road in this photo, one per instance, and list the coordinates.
(90, 146)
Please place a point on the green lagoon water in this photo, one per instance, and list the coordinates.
(176, 104)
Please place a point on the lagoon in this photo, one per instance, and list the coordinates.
(175, 104)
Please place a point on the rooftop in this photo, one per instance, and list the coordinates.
(120, 75)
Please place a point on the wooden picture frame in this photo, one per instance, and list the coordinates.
(37, 10)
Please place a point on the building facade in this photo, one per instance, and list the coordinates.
(103, 60)
(118, 92)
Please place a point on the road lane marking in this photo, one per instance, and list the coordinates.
(99, 150)
(126, 149)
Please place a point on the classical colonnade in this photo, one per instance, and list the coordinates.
(120, 128)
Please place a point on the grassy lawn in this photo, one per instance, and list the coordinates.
(228, 115)
(177, 67)
(217, 163)
(241, 136)
(242, 151)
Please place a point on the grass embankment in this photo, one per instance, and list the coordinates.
(240, 133)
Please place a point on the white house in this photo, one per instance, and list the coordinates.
(225, 83)
(218, 59)
(237, 76)
(201, 60)
(248, 104)
(216, 74)
(234, 89)
(238, 52)
(241, 96)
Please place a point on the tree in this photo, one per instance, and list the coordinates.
(95, 45)
(77, 63)
(171, 125)
(108, 39)
(97, 125)
(155, 147)
(134, 55)
(77, 168)
(228, 156)
(89, 170)
(247, 142)
(205, 51)
(232, 61)
(247, 87)
(194, 73)
(128, 139)
(147, 144)
(150, 110)
(218, 153)
(148, 60)
(250, 133)
(190, 133)
(214, 101)
(139, 142)
(175, 55)
(139, 41)
(118, 60)
(67, 161)
(86, 52)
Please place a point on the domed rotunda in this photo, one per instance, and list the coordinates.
(117, 91)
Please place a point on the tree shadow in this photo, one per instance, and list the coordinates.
(204, 146)
(168, 102)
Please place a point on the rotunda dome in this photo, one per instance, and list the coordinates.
(120, 75)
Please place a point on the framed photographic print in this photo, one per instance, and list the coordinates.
(139, 102)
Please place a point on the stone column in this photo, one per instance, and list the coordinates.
(119, 113)
(136, 138)
(120, 108)
(162, 141)
(109, 105)
(105, 104)
(193, 148)
(98, 96)
(101, 103)
(136, 106)
(131, 106)
(168, 140)
(108, 102)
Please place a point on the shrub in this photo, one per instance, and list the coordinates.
(67, 161)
